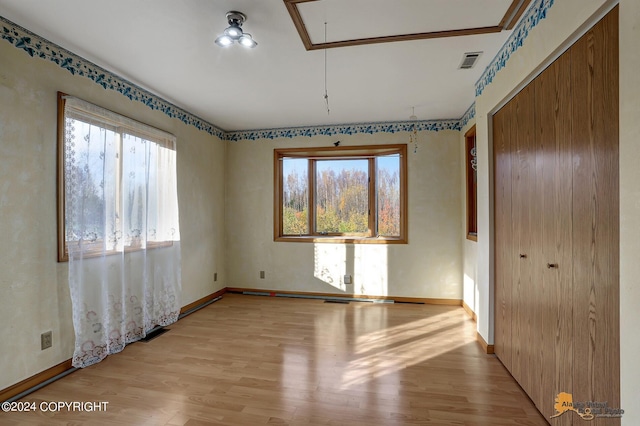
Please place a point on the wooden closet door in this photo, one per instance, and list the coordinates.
(503, 225)
(553, 125)
(534, 293)
(594, 84)
(523, 177)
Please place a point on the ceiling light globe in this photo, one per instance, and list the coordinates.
(224, 41)
(234, 32)
(247, 41)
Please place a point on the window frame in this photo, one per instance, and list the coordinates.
(63, 252)
(314, 154)
(471, 186)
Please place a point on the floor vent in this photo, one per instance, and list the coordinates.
(158, 331)
(469, 60)
(337, 301)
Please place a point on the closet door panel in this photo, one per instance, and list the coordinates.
(537, 263)
(523, 169)
(533, 293)
(504, 248)
(594, 79)
(553, 123)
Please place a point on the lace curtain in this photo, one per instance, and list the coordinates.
(121, 229)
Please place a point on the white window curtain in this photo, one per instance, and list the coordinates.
(121, 229)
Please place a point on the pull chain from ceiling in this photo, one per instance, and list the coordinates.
(326, 93)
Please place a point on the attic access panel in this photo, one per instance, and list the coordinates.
(361, 22)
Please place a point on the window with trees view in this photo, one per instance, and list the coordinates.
(116, 182)
(349, 194)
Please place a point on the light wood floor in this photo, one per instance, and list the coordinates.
(249, 360)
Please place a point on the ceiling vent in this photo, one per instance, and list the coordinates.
(469, 60)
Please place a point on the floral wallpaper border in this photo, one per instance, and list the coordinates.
(469, 115)
(346, 129)
(532, 17)
(40, 47)
(37, 46)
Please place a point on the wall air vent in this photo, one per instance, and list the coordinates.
(469, 60)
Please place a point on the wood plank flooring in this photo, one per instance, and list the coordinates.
(249, 360)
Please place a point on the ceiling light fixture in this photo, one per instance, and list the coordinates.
(234, 32)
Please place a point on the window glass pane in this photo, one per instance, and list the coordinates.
(342, 204)
(162, 165)
(134, 189)
(154, 185)
(86, 148)
(295, 196)
(344, 195)
(117, 183)
(388, 195)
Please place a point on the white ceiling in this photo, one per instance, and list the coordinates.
(166, 46)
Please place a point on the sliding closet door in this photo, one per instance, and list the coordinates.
(557, 228)
(594, 84)
(553, 125)
(523, 176)
(505, 249)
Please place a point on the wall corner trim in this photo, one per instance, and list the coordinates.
(202, 301)
(487, 348)
(35, 380)
(469, 311)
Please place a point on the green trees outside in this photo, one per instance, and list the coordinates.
(295, 214)
(342, 202)
(388, 203)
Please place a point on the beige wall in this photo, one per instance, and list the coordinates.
(429, 266)
(34, 292)
(564, 21)
(629, 209)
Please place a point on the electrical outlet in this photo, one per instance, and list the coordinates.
(46, 340)
(262, 274)
(348, 279)
(215, 276)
